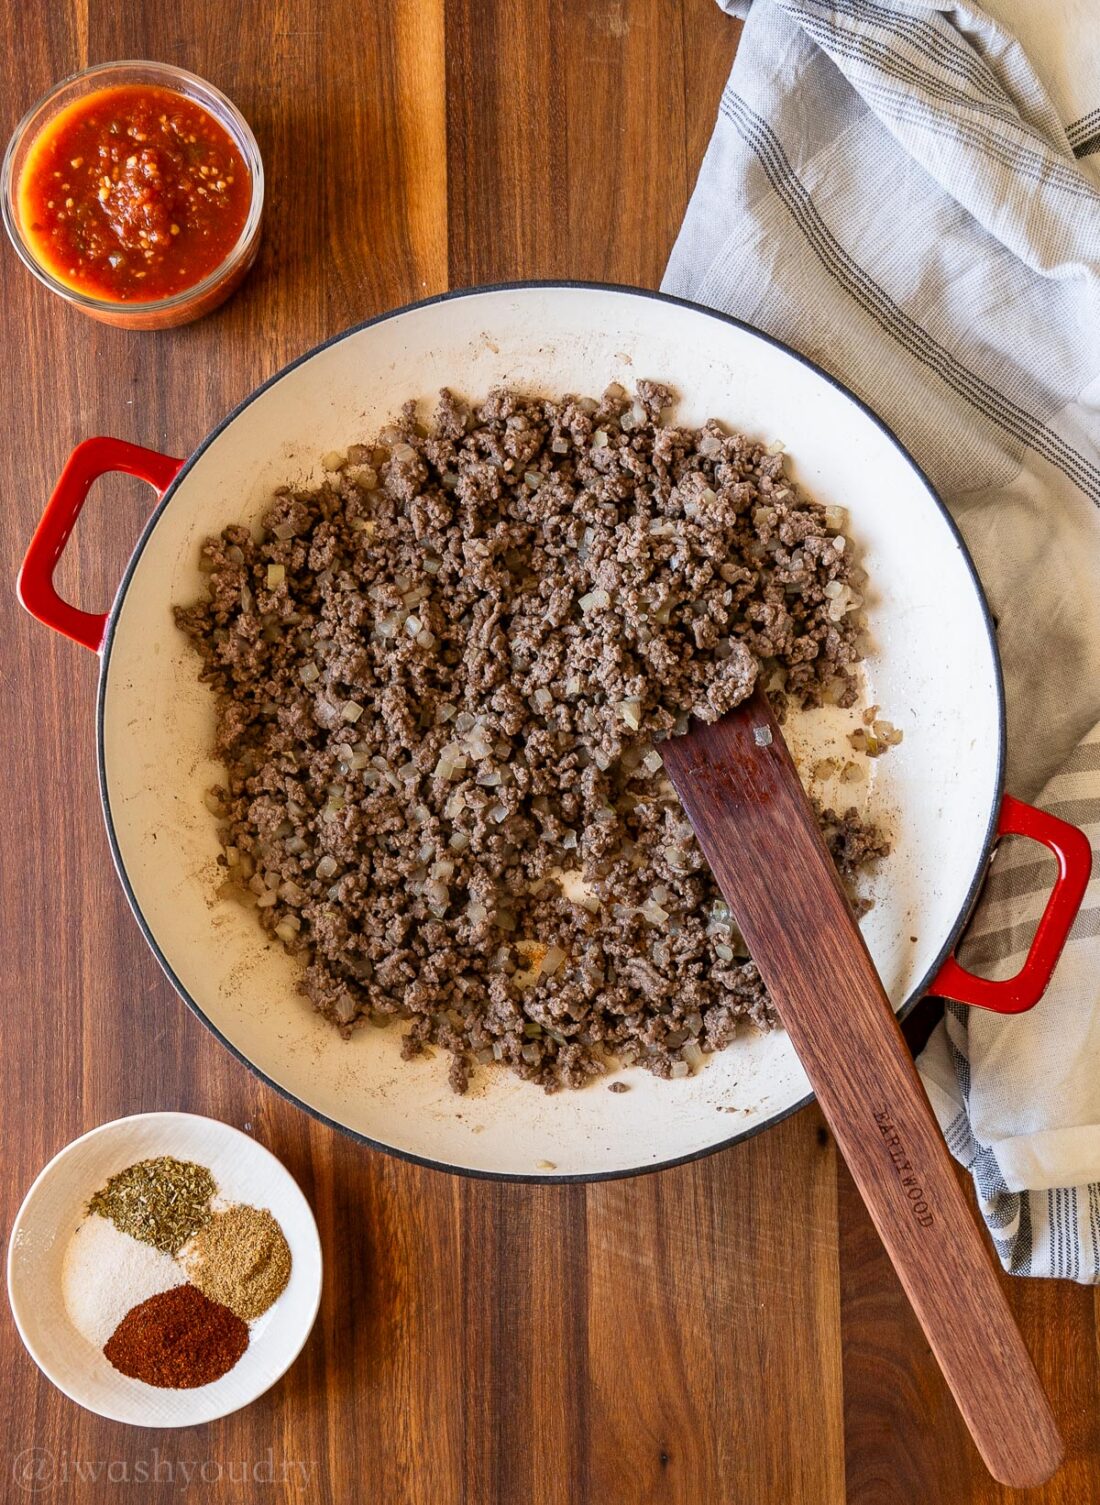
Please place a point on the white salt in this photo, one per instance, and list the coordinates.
(105, 1273)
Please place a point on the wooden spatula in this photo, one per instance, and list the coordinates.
(742, 793)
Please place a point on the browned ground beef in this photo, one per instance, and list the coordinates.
(440, 678)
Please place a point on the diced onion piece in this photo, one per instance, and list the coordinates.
(631, 712)
(335, 459)
(351, 711)
(276, 574)
(594, 600)
(327, 867)
(678, 859)
(452, 762)
(678, 1070)
(389, 625)
(458, 841)
(287, 930)
(551, 961)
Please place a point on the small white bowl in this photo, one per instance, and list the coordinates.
(54, 1206)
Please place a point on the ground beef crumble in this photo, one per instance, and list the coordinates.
(440, 678)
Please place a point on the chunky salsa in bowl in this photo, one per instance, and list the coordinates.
(135, 191)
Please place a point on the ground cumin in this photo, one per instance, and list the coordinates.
(241, 1259)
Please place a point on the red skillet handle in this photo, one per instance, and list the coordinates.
(88, 461)
(1071, 847)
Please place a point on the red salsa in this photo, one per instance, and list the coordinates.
(133, 193)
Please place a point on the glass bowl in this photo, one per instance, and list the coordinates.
(191, 302)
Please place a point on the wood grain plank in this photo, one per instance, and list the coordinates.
(508, 152)
(713, 1328)
(622, 222)
(895, 1399)
(526, 1384)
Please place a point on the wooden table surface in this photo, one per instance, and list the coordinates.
(725, 1332)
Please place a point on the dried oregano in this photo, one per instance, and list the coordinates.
(161, 1201)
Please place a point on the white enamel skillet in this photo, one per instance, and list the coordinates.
(933, 668)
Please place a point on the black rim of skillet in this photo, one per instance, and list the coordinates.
(470, 292)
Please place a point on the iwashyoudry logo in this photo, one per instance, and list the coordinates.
(36, 1469)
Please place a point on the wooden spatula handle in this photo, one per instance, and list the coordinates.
(758, 831)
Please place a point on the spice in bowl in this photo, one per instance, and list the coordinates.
(162, 1202)
(164, 1280)
(106, 1272)
(134, 189)
(177, 1340)
(240, 1258)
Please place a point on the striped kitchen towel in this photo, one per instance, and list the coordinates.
(909, 193)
